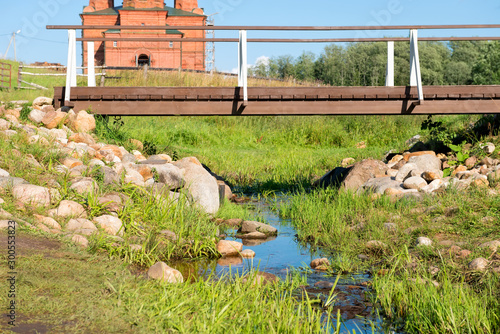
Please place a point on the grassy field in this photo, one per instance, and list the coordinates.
(422, 289)
(264, 155)
(64, 290)
(404, 275)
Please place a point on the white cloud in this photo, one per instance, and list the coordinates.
(260, 60)
(235, 70)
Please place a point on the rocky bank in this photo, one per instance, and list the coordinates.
(86, 161)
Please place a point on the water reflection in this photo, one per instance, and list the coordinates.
(279, 255)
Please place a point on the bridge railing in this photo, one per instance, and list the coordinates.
(243, 40)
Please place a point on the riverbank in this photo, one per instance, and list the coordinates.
(86, 229)
(268, 154)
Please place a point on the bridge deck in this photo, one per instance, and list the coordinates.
(227, 101)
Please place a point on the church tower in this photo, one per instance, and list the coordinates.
(144, 4)
(187, 5)
(97, 5)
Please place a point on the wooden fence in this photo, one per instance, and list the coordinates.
(61, 69)
(5, 75)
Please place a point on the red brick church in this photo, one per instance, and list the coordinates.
(175, 54)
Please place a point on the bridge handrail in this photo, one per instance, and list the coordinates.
(415, 74)
(281, 28)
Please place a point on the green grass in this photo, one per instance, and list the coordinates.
(67, 290)
(457, 305)
(271, 153)
(143, 216)
(70, 291)
(465, 302)
(278, 153)
(265, 154)
(343, 222)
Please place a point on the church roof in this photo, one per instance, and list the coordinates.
(171, 11)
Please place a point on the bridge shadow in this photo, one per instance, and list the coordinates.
(408, 105)
(238, 105)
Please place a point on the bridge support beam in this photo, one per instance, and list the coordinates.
(71, 65)
(90, 65)
(389, 78)
(415, 74)
(243, 65)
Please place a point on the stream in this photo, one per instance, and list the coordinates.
(279, 255)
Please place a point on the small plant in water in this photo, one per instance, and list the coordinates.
(332, 295)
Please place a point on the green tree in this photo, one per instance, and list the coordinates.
(402, 64)
(458, 73)
(433, 59)
(330, 66)
(261, 68)
(487, 69)
(282, 67)
(304, 66)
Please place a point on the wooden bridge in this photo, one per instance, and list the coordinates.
(253, 101)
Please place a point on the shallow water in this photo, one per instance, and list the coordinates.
(284, 253)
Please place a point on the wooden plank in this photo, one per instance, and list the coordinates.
(299, 93)
(311, 97)
(58, 97)
(283, 100)
(263, 108)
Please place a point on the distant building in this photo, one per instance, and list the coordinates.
(57, 67)
(187, 55)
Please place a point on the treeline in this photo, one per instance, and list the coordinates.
(364, 64)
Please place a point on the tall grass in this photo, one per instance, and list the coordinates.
(455, 306)
(278, 153)
(80, 293)
(187, 79)
(404, 275)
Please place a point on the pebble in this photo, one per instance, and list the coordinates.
(390, 227)
(320, 264)
(492, 245)
(489, 148)
(324, 285)
(479, 264)
(424, 241)
(248, 253)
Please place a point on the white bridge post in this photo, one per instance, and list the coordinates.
(90, 65)
(71, 65)
(415, 74)
(389, 78)
(242, 64)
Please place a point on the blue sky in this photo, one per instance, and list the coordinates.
(35, 43)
